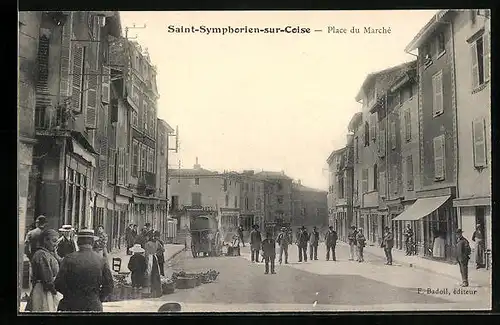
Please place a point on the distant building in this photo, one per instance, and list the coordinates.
(309, 207)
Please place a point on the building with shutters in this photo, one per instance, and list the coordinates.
(472, 57)
(71, 67)
(252, 201)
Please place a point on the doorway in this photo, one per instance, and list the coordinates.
(480, 219)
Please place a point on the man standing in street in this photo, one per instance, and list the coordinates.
(129, 238)
(283, 240)
(388, 244)
(351, 237)
(330, 242)
(65, 244)
(269, 249)
(463, 256)
(31, 241)
(302, 243)
(84, 277)
(313, 244)
(408, 240)
(255, 243)
(240, 234)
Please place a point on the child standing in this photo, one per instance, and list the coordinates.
(137, 265)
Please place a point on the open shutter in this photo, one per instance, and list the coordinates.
(437, 87)
(78, 53)
(407, 120)
(439, 157)
(381, 185)
(409, 173)
(365, 180)
(106, 80)
(91, 92)
(126, 165)
(104, 145)
(373, 122)
(111, 166)
(393, 135)
(478, 134)
(486, 56)
(475, 68)
(102, 168)
(66, 57)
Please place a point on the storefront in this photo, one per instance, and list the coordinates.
(434, 222)
(229, 219)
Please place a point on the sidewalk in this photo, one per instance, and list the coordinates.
(481, 277)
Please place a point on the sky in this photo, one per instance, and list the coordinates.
(277, 102)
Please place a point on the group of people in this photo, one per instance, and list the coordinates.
(147, 263)
(67, 274)
(284, 240)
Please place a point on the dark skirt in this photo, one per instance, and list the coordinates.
(156, 290)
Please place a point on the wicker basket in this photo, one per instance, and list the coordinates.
(168, 288)
(185, 283)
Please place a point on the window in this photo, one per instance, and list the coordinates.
(137, 63)
(246, 203)
(381, 141)
(225, 186)
(143, 166)
(367, 134)
(151, 160)
(145, 111)
(481, 61)
(393, 135)
(356, 149)
(479, 141)
(303, 211)
(246, 187)
(375, 177)
(439, 152)
(427, 55)
(364, 184)
(135, 158)
(135, 120)
(196, 181)
(341, 191)
(280, 186)
(407, 124)
(382, 184)
(196, 199)
(373, 125)
(440, 44)
(394, 178)
(280, 199)
(409, 173)
(235, 201)
(437, 90)
(227, 200)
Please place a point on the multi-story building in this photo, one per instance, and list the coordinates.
(309, 208)
(472, 57)
(71, 84)
(437, 136)
(371, 132)
(340, 189)
(252, 201)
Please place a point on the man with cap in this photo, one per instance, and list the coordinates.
(387, 244)
(65, 244)
(463, 256)
(269, 250)
(255, 243)
(351, 238)
(302, 243)
(313, 244)
(31, 241)
(84, 277)
(283, 240)
(330, 242)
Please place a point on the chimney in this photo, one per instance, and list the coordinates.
(196, 166)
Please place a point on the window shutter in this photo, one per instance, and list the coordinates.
(478, 129)
(439, 157)
(65, 57)
(365, 181)
(393, 135)
(104, 144)
(145, 120)
(382, 184)
(408, 125)
(437, 86)
(394, 179)
(106, 80)
(374, 126)
(475, 68)
(102, 168)
(78, 53)
(126, 166)
(90, 117)
(409, 173)
(486, 56)
(111, 166)
(120, 166)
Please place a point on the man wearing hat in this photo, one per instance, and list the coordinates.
(351, 238)
(255, 243)
(269, 250)
(283, 240)
(463, 256)
(65, 244)
(302, 243)
(84, 277)
(330, 242)
(387, 244)
(31, 241)
(313, 244)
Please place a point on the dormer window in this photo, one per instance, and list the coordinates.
(440, 44)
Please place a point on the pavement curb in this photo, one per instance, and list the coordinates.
(419, 267)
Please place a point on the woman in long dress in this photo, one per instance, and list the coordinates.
(153, 279)
(45, 266)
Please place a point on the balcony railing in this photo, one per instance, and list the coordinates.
(147, 181)
(54, 118)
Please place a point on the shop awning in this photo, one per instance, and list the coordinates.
(421, 208)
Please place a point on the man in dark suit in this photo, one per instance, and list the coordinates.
(302, 243)
(331, 242)
(463, 256)
(387, 245)
(84, 277)
(255, 243)
(269, 249)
